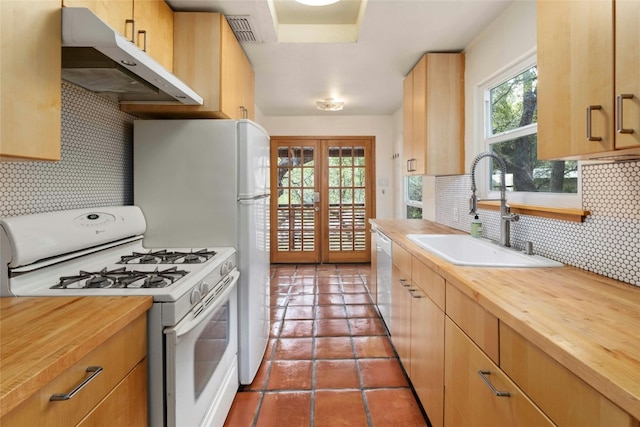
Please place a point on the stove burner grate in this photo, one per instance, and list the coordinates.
(121, 278)
(163, 256)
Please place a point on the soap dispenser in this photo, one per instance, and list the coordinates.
(476, 227)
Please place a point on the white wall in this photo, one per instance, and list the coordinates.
(510, 37)
(379, 126)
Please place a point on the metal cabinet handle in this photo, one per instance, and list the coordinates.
(404, 283)
(95, 371)
(483, 374)
(414, 293)
(409, 165)
(144, 39)
(133, 29)
(589, 109)
(619, 127)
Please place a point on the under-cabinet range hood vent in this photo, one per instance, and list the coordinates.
(99, 59)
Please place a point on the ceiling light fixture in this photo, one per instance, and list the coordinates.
(329, 104)
(317, 2)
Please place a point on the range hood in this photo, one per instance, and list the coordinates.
(99, 59)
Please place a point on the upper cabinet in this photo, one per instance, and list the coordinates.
(147, 23)
(210, 60)
(588, 85)
(433, 116)
(30, 93)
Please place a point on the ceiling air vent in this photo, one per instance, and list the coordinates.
(243, 28)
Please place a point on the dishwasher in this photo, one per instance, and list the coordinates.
(383, 272)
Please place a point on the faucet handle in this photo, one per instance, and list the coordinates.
(528, 247)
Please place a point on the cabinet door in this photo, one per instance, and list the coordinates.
(427, 354)
(444, 112)
(420, 121)
(30, 94)
(126, 405)
(407, 122)
(567, 399)
(113, 12)
(575, 71)
(401, 315)
(627, 66)
(154, 30)
(468, 399)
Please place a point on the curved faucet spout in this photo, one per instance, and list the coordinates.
(505, 217)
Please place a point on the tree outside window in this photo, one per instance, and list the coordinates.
(512, 117)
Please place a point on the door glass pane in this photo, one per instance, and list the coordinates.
(210, 348)
(346, 188)
(295, 191)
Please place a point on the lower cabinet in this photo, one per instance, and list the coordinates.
(477, 392)
(564, 397)
(417, 329)
(116, 396)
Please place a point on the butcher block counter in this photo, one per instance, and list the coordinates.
(47, 345)
(587, 323)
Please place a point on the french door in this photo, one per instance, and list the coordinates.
(323, 195)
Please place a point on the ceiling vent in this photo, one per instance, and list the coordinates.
(243, 27)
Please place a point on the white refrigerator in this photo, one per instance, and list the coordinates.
(203, 183)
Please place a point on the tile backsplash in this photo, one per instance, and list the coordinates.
(96, 167)
(607, 243)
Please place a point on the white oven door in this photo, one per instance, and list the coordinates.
(202, 367)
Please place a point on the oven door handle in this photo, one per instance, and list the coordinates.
(191, 321)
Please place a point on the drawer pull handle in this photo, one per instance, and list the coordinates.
(95, 370)
(483, 375)
(414, 293)
(404, 283)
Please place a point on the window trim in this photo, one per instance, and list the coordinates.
(482, 89)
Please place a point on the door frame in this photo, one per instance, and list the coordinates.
(321, 184)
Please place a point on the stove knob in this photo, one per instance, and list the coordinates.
(204, 288)
(224, 269)
(196, 296)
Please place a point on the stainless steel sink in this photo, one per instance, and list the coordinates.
(466, 250)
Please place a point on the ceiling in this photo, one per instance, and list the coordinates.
(367, 74)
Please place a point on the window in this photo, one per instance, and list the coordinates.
(511, 129)
(413, 196)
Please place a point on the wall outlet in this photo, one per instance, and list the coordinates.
(455, 214)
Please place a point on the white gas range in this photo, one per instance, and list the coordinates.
(97, 252)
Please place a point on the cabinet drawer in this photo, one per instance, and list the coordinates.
(431, 283)
(480, 325)
(401, 258)
(564, 397)
(468, 399)
(117, 356)
(126, 405)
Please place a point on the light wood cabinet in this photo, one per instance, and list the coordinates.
(417, 329)
(587, 59)
(30, 88)
(480, 325)
(208, 58)
(469, 399)
(401, 305)
(564, 397)
(427, 340)
(147, 23)
(124, 373)
(433, 116)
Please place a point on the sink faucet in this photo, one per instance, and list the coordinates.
(506, 217)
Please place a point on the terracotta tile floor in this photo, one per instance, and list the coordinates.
(329, 361)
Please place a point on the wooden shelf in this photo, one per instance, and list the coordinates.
(564, 214)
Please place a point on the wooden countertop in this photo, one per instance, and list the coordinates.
(41, 337)
(588, 323)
